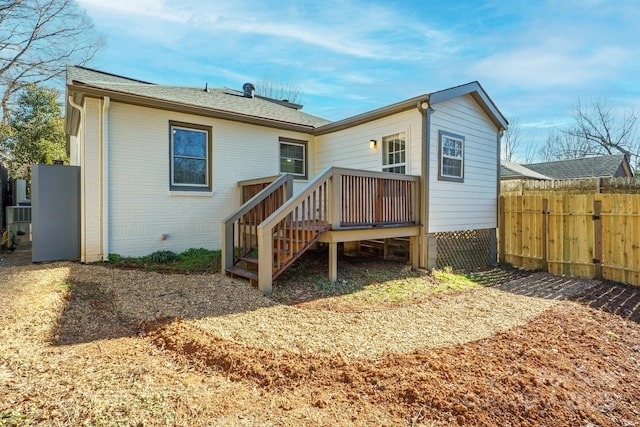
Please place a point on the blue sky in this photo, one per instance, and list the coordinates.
(536, 59)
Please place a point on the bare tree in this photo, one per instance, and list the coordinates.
(604, 132)
(37, 39)
(511, 140)
(563, 145)
(512, 144)
(278, 90)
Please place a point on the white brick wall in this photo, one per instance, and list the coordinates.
(141, 206)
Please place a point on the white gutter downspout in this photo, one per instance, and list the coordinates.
(425, 111)
(105, 178)
(499, 162)
(80, 161)
(494, 257)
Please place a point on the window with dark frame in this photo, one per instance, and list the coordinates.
(190, 151)
(293, 157)
(451, 156)
(394, 154)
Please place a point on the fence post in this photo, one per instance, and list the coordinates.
(545, 234)
(502, 231)
(597, 238)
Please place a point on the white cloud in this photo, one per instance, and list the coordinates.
(547, 66)
(346, 28)
(147, 9)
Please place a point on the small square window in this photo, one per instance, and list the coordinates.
(293, 157)
(451, 149)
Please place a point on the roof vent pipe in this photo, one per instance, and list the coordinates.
(248, 90)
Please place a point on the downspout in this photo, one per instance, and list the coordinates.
(105, 178)
(499, 145)
(81, 161)
(494, 257)
(425, 111)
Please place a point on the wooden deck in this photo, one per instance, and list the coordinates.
(339, 205)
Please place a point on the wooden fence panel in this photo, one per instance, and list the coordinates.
(523, 248)
(569, 240)
(621, 237)
(582, 235)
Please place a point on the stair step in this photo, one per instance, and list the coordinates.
(249, 259)
(241, 272)
(286, 239)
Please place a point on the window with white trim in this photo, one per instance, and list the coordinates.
(451, 150)
(190, 148)
(293, 157)
(394, 154)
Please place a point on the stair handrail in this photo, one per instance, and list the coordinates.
(265, 229)
(228, 223)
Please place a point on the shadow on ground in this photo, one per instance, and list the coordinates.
(622, 300)
(20, 256)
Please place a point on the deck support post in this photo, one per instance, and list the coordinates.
(333, 262)
(414, 252)
(265, 260)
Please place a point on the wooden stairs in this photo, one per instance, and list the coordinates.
(283, 227)
(246, 266)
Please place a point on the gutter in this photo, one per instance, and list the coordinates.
(499, 165)
(105, 178)
(80, 161)
(425, 111)
(81, 111)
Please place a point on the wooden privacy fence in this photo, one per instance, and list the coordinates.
(593, 235)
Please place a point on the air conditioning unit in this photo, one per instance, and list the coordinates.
(17, 214)
(18, 224)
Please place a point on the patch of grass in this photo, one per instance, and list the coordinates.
(14, 418)
(194, 260)
(365, 283)
(411, 288)
(450, 280)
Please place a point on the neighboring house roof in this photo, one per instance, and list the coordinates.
(510, 170)
(231, 104)
(218, 102)
(588, 167)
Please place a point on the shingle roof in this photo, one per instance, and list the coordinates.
(220, 99)
(600, 166)
(510, 170)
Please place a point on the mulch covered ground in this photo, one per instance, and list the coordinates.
(91, 345)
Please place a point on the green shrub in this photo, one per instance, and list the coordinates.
(115, 258)
(161, 257)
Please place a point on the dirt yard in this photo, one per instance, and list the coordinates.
(88, 345)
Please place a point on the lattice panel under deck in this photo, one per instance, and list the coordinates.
(469, 249)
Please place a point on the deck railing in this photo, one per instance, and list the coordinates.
(336, 199)
(239, 230)
(372, 199)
